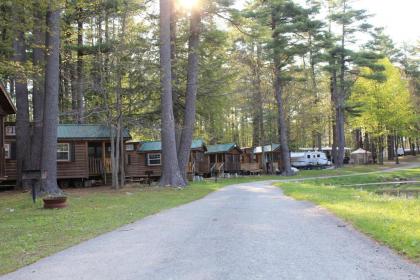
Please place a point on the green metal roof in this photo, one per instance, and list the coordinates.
(86, 131)
(157, 145)
(221, 148)
(198, 143)
(150, 146)
(267, 148)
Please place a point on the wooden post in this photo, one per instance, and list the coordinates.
(2, 157)
(87, 158)
(103, 160)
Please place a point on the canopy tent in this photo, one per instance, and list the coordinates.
(361, 156)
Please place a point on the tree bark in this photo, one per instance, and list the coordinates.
(381, 150)
(191, 93)
(284, 146)
(390, 142)
(22, 115)
(49, 140)
(258, 118)
(171, 175)
(340, 98)
(176, 98)
(114, 163)
(281, 121)
(333, 90)
(397, 157)
(38, 90)
(79, 67)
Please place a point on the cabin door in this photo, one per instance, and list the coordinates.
(212, 159)
(95, 150)
(95, 155)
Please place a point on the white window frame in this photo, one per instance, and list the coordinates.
(68, 151)
(154, 164)
(7, 151)
(10, 130)
(129, 147)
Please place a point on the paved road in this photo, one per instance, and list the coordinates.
(247, 231)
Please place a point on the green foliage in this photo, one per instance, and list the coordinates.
(385, 106)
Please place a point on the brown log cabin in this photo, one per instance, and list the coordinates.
(83, 153)
(6, 108)
(259, 159)
(224, 158)
(143, 159)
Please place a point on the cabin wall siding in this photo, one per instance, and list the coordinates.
(138, 166)
(77, 169)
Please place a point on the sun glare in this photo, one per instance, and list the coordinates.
(187, 4)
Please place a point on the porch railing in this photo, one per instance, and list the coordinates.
(95, 166)
(99, 167)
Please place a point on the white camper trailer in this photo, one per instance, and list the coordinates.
(309, 159)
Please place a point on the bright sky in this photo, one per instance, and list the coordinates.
(400, 18)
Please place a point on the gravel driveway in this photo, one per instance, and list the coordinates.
(247, 231)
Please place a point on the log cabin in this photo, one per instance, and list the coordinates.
(269, 158)
(224, 158)
(249, 164)
(265, 159)
(6, 108)
(83, 153)
(143, 159)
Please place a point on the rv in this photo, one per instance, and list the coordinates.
(309, 159)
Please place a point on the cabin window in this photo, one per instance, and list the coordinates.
(129, 147)
(10, 130)
(308, 156)
(63, 152)
(7, 152)
(318, 155)
(153, 159)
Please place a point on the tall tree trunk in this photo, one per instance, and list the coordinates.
(397, 157)
(258, 118)
(340, 98)
(22, 115)
(412, 146)
(49, 139)
(171, 175)
(38, 90)
(381, 150)
(358, 138)
(278, 91)
(333, 90)
(114, 163)
(122, 155)
(318, 134)
(191, 93)
(282, 127)
(80, 80)
(174, 77)
(390, 145)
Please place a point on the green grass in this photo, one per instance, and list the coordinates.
(29, 232)
(394, 221)
(348, 170)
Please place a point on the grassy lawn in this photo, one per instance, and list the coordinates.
(29, 232)
(394, 221)
(348, 170)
